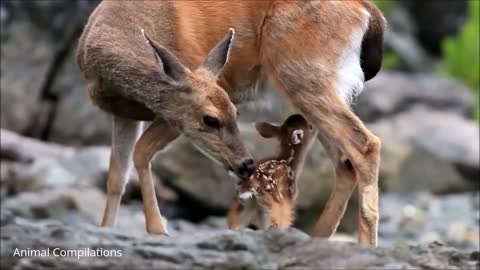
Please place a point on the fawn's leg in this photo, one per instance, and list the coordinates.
(125, 133)
(158, 135)
(239, 215)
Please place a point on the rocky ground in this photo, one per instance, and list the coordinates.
(212, 249)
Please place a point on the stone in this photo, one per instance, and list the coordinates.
(77, 121)
(68, 205)
(30, 165)
(422, 217)
(35, 165)
(216, 249)
(449, 137)
(35, 36)
(406, 167)
(26, 53)
(390, 93)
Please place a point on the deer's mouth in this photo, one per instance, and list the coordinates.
(233, 174)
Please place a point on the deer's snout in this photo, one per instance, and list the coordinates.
(246, 169)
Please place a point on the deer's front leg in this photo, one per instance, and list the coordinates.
(124, 135)
(158, 135)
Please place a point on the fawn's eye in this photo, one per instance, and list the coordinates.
(211, 122)
(297, 136)
(310, 127)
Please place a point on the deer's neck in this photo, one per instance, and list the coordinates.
(295, 157)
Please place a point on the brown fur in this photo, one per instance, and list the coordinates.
(273, 186)
(296, 45)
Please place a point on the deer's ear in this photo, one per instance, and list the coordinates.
(267, 130)
(218, 56)
(171, 69)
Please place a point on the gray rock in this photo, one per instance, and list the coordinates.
(76, 121)
(405, 167)
(390, 93)
(218, 249)
(447, 136)
(35, 37)
(68, 205)
(26, 53)
(35, 165)
(421, 217)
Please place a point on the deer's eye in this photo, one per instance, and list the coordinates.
(310, 127)
(211, 122)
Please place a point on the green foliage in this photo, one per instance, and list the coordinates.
(391, 60)
(385, 5)
(461, 53)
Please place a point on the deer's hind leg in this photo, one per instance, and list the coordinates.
(317, 68)
(124, 135)
(355, 153)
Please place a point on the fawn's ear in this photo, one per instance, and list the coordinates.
(171, 69)
(267, 130)
(218, 56)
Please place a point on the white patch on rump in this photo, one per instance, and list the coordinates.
(350, 78)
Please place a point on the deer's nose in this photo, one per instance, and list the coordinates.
(246, 169)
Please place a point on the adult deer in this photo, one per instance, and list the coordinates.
(317, 53)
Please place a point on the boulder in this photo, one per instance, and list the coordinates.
(452, 139)
(406, 167)
(422, 217)
(34, 165)
(76, 120)
(214, 249)
(68, 205)
(31, 165)
(36, 36)
(26, 53)
(390, 93)
(73, 205)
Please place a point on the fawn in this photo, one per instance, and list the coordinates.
(267, 198)
(166, 62)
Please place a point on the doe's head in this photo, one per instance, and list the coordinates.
(295, 132)
(200, 109)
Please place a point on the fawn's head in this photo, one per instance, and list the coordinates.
(295, 133)
(200, 109)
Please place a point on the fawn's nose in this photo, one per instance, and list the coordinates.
(246, 169)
